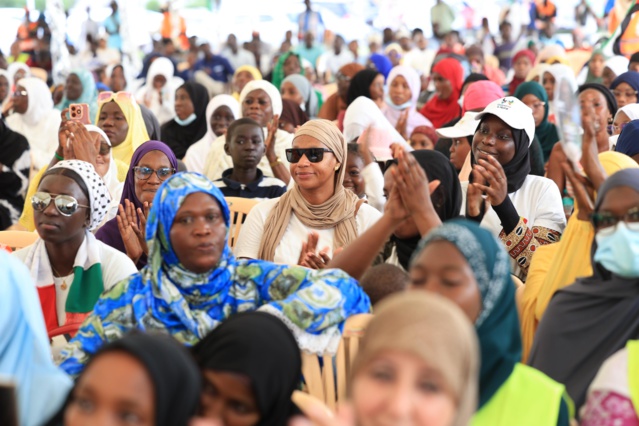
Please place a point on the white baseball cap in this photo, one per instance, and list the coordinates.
(513, 112)
(463, 128)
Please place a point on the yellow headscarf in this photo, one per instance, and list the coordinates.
(558, 265)
(257, 75)
(137, 133)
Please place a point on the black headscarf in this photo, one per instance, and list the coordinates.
(257, 345)
(447, 198)
(176, 379)
(610, 98)
(519, 167)
(151, 123)
(360, 85)
(588, 321)
(180, 138)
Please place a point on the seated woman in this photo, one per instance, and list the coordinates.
(26, 355)
(610, 395)
(190, 122)
(116, 78)
(420, 338)
(368, 83)
(318, 204)
(120, 117)
(523, 210)
(221, 111)
(144, 378)
(614, 67)
(80, 88)
(404, 87)
(423, 137)
(241, 77)
(336, 103)
(625, 88)
(534, 96)
(192, 282)
(15, 163)
(261, 101)
(297, 88)
(68, 265)
(624, 115)
(627, 143)
(556, 266)
(289, 63)
(152, 163)
(588, 321)
(292, 116)
(448, 76)
(363, 113)
(508, 390)
(252, 358)
(158, 93)
(33, 116)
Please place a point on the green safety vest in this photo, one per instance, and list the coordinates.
(633, 372)
(527, 398)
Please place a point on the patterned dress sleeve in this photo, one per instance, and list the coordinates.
(313, 304)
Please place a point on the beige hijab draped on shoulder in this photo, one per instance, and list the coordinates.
(337, 212)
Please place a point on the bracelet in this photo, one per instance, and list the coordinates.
(276, 162)
(59, 157)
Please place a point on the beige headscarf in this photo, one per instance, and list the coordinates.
(337, 212)
(435, 330)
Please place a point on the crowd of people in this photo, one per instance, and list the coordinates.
(431, 182)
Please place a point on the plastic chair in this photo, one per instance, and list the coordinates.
(321, 372)
(17, 239)
(239, 208)
(70, 329)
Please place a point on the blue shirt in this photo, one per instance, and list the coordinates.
(218, 68)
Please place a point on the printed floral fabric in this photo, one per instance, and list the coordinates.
(166, 297)
(607, 408)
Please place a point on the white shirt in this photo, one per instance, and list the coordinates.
(538, 201)
(288, 251)
(243, 57)
(116, 266)
(329, 61)
(420, 60)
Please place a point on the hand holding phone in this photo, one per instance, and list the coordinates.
(79, 113)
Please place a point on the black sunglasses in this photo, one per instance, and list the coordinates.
(603, 220)
(314, 155)
(65, 204)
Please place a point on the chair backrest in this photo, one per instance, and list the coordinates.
(239, 208)
(17, 239)
(322, 372)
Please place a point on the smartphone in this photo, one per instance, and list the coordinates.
(8, 403)
(80, 113)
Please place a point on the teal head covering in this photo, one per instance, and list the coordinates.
(89, 93)
(546, 132)
(590, 78)
(498, 322)
(278, 70)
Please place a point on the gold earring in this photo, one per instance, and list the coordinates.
(337, 168)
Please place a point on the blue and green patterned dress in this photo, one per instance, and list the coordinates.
(166, 297)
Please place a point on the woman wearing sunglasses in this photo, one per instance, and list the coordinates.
(317, 208)
(152, 163)
(69, 266)
(120, 117)
(261, 101)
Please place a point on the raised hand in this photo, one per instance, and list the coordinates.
(401, 123)
(270, 136)
(86, 146)
(474, 196)
(127, 219)
(583, 189)
(496, 187)
(412, 184)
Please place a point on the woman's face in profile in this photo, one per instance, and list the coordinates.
(399, 388)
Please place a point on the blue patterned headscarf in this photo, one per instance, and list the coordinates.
(166, 297)
(89, 93)
(498, 322)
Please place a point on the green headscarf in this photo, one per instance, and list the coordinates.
(278, 71)
(589, 77)
(89, 93)
(498, 322)
(546, 132)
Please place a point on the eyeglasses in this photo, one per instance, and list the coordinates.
(612, 128)
(314, 155)
(619, 94)
(607, 221)
(20, 93)
(65, 204)
(118, 96)
(536, 105)
(105, 148)
(341, 77)
(144, 173)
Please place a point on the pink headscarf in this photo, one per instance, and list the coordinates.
(479, 94)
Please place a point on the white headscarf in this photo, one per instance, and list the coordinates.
(631, 110)
(617, 64)
(17, 66)
(361, 114)
(415, 119)
(538, 70)
(195, 156)
(40, 100)
(271, 91)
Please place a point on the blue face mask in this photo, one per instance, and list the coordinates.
(401, 107)
(618, 251)
(190, 119)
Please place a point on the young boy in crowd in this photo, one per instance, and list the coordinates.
(383, 280)
(245, 144)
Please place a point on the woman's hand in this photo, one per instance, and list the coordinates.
(401, 123)
(475, 202)
(493, 174)
(318, 414)
(84, 145)
(364, 145)
(133, 235)
(270, 138)
(412, 184)
(309, 257)
(583, 189)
